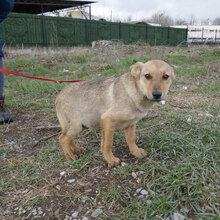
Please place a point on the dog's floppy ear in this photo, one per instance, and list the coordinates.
(136, 69)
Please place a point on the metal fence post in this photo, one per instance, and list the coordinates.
(86, 32)
(146, 33)
(43, 30)
(119, 30)
(187, 35)
(202, 35)
(168, 36)
(215, 35)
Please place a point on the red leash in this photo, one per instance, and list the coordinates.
(39, 78)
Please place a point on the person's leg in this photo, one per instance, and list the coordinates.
(5, 116)
(1, 78)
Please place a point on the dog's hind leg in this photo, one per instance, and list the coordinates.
(70, 128)
(130, 134)
(67, 143)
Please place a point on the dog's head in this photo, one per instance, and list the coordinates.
(153, 78)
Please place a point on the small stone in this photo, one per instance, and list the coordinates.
(40, 212)
(16, 208)
(134, 175)
(25, 191)
(34, 212)
(208, 115)
(123, 164)
(184, 210)
(85, 218)
(58, 187)
(144, 192)
(140, 196)
(185, 88)
(149, 202)
(138, 190)
(71, 180)
(163, 102)
(75, 214)
(138, 180)
(96, 213)
(177, 216)
(62, 173)
(189, 119)
(84, 199)
(141, 172)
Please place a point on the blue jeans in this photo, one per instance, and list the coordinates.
(1, 78)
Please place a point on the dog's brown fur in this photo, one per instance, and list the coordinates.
(111, 104)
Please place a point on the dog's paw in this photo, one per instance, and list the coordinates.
(113, 161)
(79, 149)
(139, 152)
(70, 156)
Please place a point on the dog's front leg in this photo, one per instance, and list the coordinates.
(107, 141)
(130, 134)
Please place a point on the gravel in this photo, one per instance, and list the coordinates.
(177, 216)
(96, 213)
(184, 210)
(75, 214)
(138, 190)
(144, 192)
(62, 173)
(134, 175)
(71, 180)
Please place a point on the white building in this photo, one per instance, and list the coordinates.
(202, 33)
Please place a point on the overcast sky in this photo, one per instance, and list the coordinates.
(143, 9)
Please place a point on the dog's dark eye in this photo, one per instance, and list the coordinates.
(165, 76)
(148, 76)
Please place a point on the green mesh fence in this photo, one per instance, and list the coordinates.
(32, 30)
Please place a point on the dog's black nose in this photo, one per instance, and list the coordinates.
(156, 94)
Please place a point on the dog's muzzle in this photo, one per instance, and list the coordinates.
(156, 96)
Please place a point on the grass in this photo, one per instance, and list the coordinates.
(180, 172)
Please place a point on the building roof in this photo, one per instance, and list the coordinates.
(42, 6)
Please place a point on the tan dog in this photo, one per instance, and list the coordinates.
(112, 104)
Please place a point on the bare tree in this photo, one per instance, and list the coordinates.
(180, 21)
(161, 18)
(192, 20)
(205, 21)
(216, 21)
(128, 19)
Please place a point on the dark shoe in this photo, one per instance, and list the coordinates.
(5, 116)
